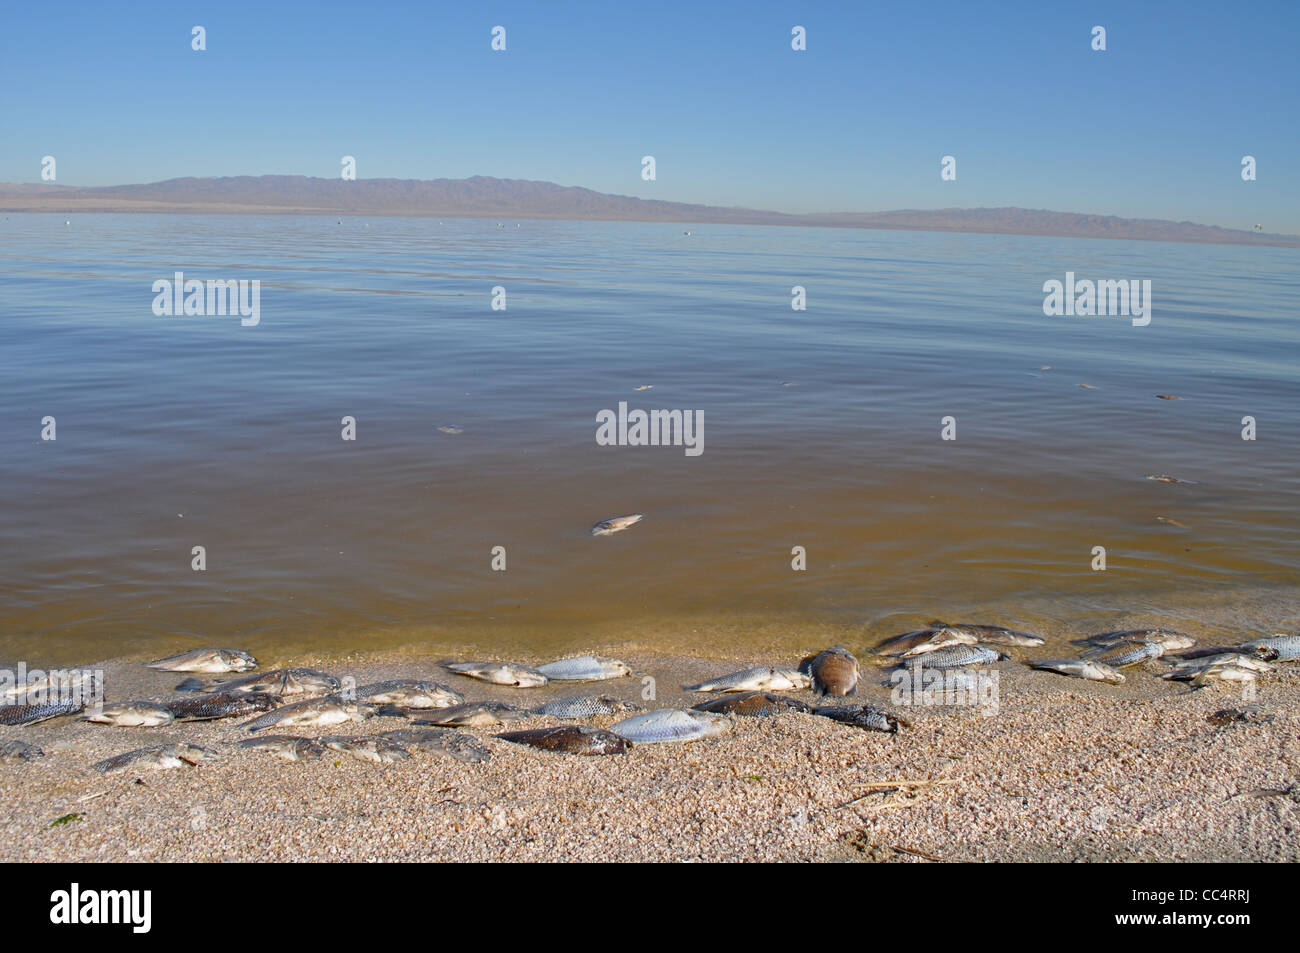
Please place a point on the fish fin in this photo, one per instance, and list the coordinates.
(805, 664)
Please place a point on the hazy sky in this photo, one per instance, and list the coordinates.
(1154, 126)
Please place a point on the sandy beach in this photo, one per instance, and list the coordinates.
(1064, 771)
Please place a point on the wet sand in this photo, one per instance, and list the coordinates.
(1065, 770)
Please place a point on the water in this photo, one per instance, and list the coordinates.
(822, 430)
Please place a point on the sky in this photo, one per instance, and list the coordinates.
(1155, 126)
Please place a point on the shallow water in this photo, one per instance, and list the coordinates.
(822, 430)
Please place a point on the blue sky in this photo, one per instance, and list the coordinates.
(1156, 126)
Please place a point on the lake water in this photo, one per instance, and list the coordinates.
(822, 430)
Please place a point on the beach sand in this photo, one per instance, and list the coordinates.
(1064, 771)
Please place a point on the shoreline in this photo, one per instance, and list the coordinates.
(1064, 770)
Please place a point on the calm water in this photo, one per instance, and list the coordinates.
(822, 429)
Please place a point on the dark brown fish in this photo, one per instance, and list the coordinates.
(834, 671)
(222, 705)
(31, 714)
(571, 739)
(753, 704)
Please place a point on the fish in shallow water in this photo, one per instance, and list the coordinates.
(409, 693)
(499, 673)
(156, 757)
(584, 668)
(475, 715)
(133, 714)
(222, 705)
(615, 525)
(1189, 669)
(1171, 640)
(19, 751)
(920, 641)
(584, 706)
(286, 746)
(863, 716)
(313, 713)
(377, 750)
(1277, 648)
(1080, 668)
(210, 661)
(956, 656)
(753, 705)
(833, 671)
(278, 681)
(570, 739)
(1125, 654)
(32, 714)
(454, 744)
(755, 680)
(992, 634)
(670, 724)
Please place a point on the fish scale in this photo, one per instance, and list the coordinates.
(1139, 652)
(955, 656)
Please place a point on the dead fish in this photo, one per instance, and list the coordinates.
(1171, 640)
(993, 634)
(670, 724)
(157, 758)
(475, 715)
(409, 693)
(1188, 669)
(834, 671)
(1088, 386)
(222, 705)
(19, 751)
(286, 746)
(1168, 397)
(313, 713)
(753, 705)
(863, 716)
(584, 668)
(377, 750)
(1080, 668)
(451, 430)
(755, 680)
(955, 656)
(278, 681)
(49, 687)
(584, 706)
(33, 714)
(1165, 519)
(1166, 478)
(134, 714)
(499, 673)
(211, 661)
(1277, 648)
(1124, 654)
(570, 739)
(922, 641)
(1221, 672)
(616, 524)
(454, 744)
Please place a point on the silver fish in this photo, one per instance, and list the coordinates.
(833, 671)
(584, 706)
(278, 681)
(615, 525)
(133, 714)
(920, 638)
(1080, 668)
(32, 714)
(1189, 669)
(286, 746)
(755, 680)
(1278, 648)
(377, 750)
(752, 705)
(313, 713)
(211, 661)
(956, 656)
(863, 716)
(454, 744)
(571, 739)
(51, 687)
(475, 715)
(499, 673)
(222, 705)
(1165, 478)
(1224, 673)
(992, 634)
(409, 693)
(19, 751)
(156, 757)
(1171, 640)
(584, 668)
(1132, 653)
(670, 724)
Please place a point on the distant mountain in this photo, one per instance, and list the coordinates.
(519, 198)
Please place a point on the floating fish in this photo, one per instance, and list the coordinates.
(570, 739)
(409, 693)
(1080, 668)
(156, 757)
(1168, 397)
(211, 661)
(584, 668)
(475, 715)
(222, 705)
(753, 705)
(922, 641)
(278, 681)
(955, 656)
(134, 714)
(454, 744)
(670, 724)
(377, 750)
(1166, 478)
(863, 716)
(584, 706)
(616, 524)
(19, 751)
(313, 713)
(499, 673)
(755, 680)
(834, 671)
(33, 714)
(992, 634)
(286, 746)
(451, 430)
